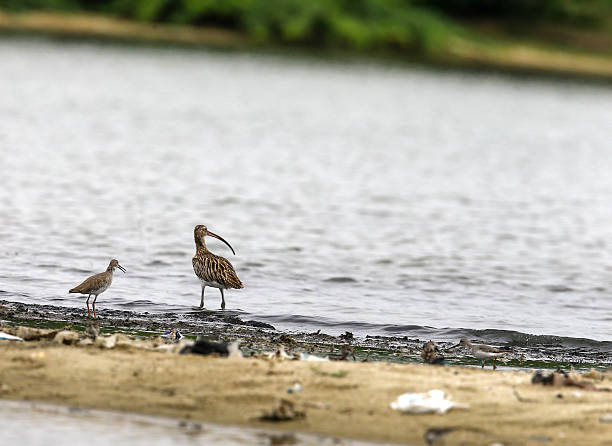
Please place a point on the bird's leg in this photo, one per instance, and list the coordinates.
(494, 363)
(87, 303)
(222, 299)
(482, 364)
(93, 305)
(201, 300)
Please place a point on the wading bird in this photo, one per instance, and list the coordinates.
(431, 353)
(212, 270)
(483, 352)
(97, 284)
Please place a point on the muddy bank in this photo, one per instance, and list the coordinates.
(257, 336)
(338, 398)
(93, 26)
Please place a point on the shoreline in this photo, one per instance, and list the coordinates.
(529, 352)
(339, 398)
(62, 423)
(504, 57)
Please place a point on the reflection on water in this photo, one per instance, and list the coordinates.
(352, 194)
(43, 424)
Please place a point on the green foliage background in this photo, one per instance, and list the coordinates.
(414, 25)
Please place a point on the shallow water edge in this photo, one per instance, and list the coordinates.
(40, 423)
(529, 351)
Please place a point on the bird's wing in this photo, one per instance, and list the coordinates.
(227, 272)
(91, 283)
(489, 349)
(213, 268)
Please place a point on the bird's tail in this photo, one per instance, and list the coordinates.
(73, 290)
(234, 350)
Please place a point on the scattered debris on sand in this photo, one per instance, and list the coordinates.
(285, 411)
(144, 373)
(560, 378)
(434, 401)
(9, 337)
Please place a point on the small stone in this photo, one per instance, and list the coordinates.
(540, 438)
(34, 334)
(285, 411)
(66, 337)
(606, 418)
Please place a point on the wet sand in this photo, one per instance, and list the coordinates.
(531, 352)
(340, 398)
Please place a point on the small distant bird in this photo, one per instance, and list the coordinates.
(93, 330)
(97, 284)
(483, 352)
(345, 352)
(212, 270)
(431, 353)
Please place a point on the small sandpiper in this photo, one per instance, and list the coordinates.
(431, 353)
(212, 270)
(483, 352)
(97, 284)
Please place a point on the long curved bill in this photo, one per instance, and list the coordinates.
(121, 268)
(222, 239)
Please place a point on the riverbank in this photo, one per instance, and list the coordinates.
(463, 50)
(340, 398)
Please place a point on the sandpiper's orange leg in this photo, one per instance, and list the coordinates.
(494, 363)
(93, 304)
(87, 302)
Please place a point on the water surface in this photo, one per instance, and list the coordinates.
(43, 424)
(358, 197)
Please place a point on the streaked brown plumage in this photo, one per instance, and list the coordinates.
(212, 270)
(97, 284)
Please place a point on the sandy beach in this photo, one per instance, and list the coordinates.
(340, 398)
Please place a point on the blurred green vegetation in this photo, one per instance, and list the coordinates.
(418, 26)
(354, 24)
(575, 12)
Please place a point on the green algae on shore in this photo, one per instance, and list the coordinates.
(257, 338)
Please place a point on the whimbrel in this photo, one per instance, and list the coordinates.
(97, 284)
(483, 352)
(212, 270)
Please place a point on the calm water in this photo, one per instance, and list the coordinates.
(358, 197)
(42, 424)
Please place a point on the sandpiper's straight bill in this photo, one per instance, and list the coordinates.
(482, 351)
(97, 284)
(212, 270)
